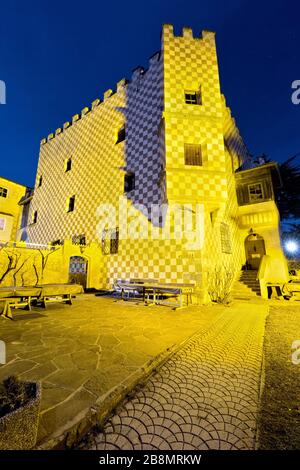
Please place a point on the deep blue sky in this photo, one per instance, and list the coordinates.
(58, 56)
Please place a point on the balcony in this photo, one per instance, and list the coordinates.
(256, 195)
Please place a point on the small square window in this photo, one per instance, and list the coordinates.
(255, 192)
(3, 192)
(192, 154)
(68, 164)
(2, 224)
(129, 182)
(192, 97)
(34, 217)
(71, 204)
(121, 135)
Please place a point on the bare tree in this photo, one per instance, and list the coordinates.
(219, 283)
(44, 260)
(13, 260)
(36, 272)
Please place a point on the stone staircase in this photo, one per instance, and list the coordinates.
(247, 286)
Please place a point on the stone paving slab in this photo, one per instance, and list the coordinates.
(84, 352)
(205, 397)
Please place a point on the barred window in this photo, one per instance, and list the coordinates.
(3, 192)
(255, 192)
(79, 239)
(192, 154)
(225, 238)
(110, 241)
(192, 97)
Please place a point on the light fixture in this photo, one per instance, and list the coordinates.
(291, 246)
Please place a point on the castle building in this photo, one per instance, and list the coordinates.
(160, 145)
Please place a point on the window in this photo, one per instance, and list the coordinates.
(110, 241)
(121, 134)
(79, 239)
(192, 97)
(255, 192)
(225, 238)
(68, 164)
(34, 217)
(40, 181)
(57, 242)
(129, 182)
(70, 204)
(2, 224)
(3, 192)
(192, 154)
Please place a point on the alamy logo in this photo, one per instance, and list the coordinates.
(296, 95)
(2, 92)
(2, 353)
(296, 352)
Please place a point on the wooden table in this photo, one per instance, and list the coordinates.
(158, 291)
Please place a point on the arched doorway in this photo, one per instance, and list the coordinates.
(255, 250)
(78, 268)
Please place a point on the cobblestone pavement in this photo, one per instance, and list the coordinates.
(204, 397)
(81, 352)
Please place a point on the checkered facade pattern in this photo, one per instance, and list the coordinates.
(158, 123)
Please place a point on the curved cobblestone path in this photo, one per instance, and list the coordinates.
(205, 397)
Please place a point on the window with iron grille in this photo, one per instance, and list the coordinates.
(225, 238)
(57, 242)
(3, 192)
(121, 134)
(79, 239)
(192, 154)
(110, 241)
(192, 97)
(255, 192)
(129, 182)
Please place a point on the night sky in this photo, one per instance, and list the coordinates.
(56, 57)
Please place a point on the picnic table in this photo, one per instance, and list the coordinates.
(17, 297)
(24, 297)
(291, 290)
(160, 292)
(58, 293)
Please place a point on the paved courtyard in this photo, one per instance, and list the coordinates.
(205, 397)
(81, 352)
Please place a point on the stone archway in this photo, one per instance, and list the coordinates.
(255, 250)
